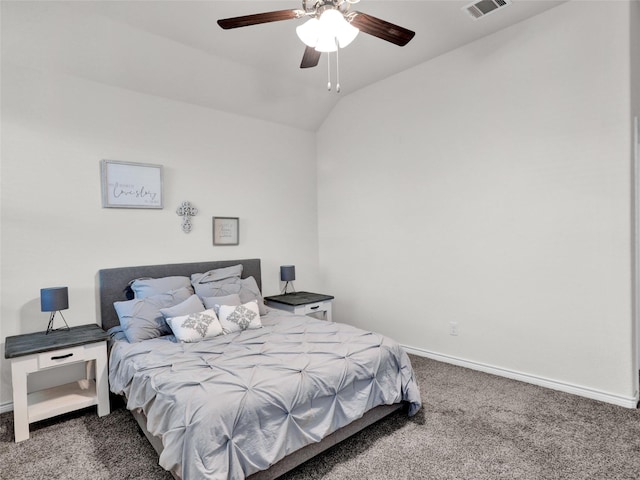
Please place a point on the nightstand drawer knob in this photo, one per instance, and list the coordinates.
(60, 357)
(314, 308)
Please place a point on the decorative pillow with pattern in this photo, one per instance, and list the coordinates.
(195, 326)
(239, 318)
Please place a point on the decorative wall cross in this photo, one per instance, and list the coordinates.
(186, 211)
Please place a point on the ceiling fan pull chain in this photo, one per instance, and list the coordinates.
(328, 71)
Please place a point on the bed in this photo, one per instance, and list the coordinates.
(253, 403)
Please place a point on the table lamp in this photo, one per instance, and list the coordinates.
(53, 300)
(288, 274)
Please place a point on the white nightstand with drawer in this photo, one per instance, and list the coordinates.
(302, 303)
(35, 352)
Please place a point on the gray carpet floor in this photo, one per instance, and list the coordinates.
(472, 426)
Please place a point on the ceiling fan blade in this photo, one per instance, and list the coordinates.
(258, 18)
(310, 58)
(382, 29)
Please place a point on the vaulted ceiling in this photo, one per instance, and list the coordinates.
(175, 49)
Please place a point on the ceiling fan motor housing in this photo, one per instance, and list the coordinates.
(317, 8)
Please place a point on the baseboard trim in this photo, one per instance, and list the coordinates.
(6, 407)
(622, 401)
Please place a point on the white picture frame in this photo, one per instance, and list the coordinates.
(226, 231)
(131, 185)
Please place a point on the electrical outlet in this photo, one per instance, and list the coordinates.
(453, 328)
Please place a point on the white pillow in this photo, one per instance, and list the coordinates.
(195, 326)
(241, 317)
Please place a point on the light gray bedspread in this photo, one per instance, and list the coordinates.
(235, 404)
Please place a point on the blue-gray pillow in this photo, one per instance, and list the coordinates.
(141, 318)
(215, 302)
(147, 287)
(249, 291)
(219, 288)
(218, 274)
(193, 304)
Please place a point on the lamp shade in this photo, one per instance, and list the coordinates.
(288, 273)
(54, 298)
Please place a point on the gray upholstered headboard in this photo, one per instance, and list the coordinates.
(112, 282)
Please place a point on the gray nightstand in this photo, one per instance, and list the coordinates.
(302, 303)
(35, 352)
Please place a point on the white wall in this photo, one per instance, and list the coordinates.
(491, 187)
(635, 55)
(55, 131)
(635, 113)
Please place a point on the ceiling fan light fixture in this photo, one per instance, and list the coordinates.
(309, 32)
(347, 34)
(326, 43)
(328, 32)
(333, 22)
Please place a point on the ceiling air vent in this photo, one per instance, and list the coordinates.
(483, 8)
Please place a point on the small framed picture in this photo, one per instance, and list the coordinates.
(226, 230)
(131, 185)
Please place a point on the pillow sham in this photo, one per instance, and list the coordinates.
(215, 302)
(239, 318)
(193, 304)
(249, 291)
(195, 326)
(217, 275)
(141, 318)
(147, 287)
(219, 288)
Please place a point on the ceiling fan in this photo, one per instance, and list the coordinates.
(331, 25)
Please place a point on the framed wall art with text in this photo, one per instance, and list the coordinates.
(131, 185)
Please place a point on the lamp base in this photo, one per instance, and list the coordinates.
(284, 290)
(50, 326)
